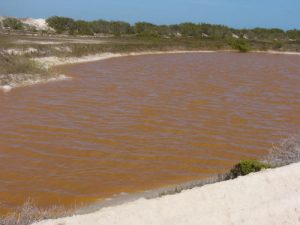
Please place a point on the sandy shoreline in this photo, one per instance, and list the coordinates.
(22, 80)
(268, 197)
(276, 52)
(48, 62)
(56, 61)
(52, 61)
(149, 194)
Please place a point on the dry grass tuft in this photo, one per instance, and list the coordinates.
(284, 153)
(15, 64)
(30, 213)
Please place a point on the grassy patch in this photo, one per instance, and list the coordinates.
(15, 64)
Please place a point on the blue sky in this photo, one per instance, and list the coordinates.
(236, 13)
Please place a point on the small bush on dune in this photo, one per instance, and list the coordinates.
(245, 167)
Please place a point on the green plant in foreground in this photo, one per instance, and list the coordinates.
(247, 166)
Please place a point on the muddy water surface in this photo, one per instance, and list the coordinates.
(135, 123)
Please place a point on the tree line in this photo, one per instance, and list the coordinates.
(201, 30)
(65, 25)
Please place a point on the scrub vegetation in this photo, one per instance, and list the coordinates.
(14, 64)
(240, 45)
(66, 37)
(144, 29)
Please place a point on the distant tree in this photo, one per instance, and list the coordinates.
(216, 31)
(164, 30)
(61, 24)
(188, 29)
(145, 28)
(174, 29)
(82, 27)
(100, 26)
(119, 27)
(266, 34)
(13, 23)
(293, 34)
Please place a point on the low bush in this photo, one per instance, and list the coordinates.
(240, 45)
(245, 167)
(13, 23)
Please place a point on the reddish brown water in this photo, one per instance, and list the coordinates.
(135, 123)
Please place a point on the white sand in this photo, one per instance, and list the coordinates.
(16, 51)
(55, 61)
(271, 197)
(277, 52)
(39, 24)
(31, 80)
(6, 88)
(59, 41)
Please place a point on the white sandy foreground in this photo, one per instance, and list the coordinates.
(271, 197)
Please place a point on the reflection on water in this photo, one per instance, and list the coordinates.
(134, 123)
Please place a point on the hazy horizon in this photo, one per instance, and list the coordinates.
(236, 13)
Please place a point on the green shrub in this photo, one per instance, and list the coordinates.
(60, 24)
(240, 45)
(245, 167)
(12, 23)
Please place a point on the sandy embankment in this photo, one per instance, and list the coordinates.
(277, 52)
(55, 61)
(51, 61)
(11, 81)
(267, 197)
